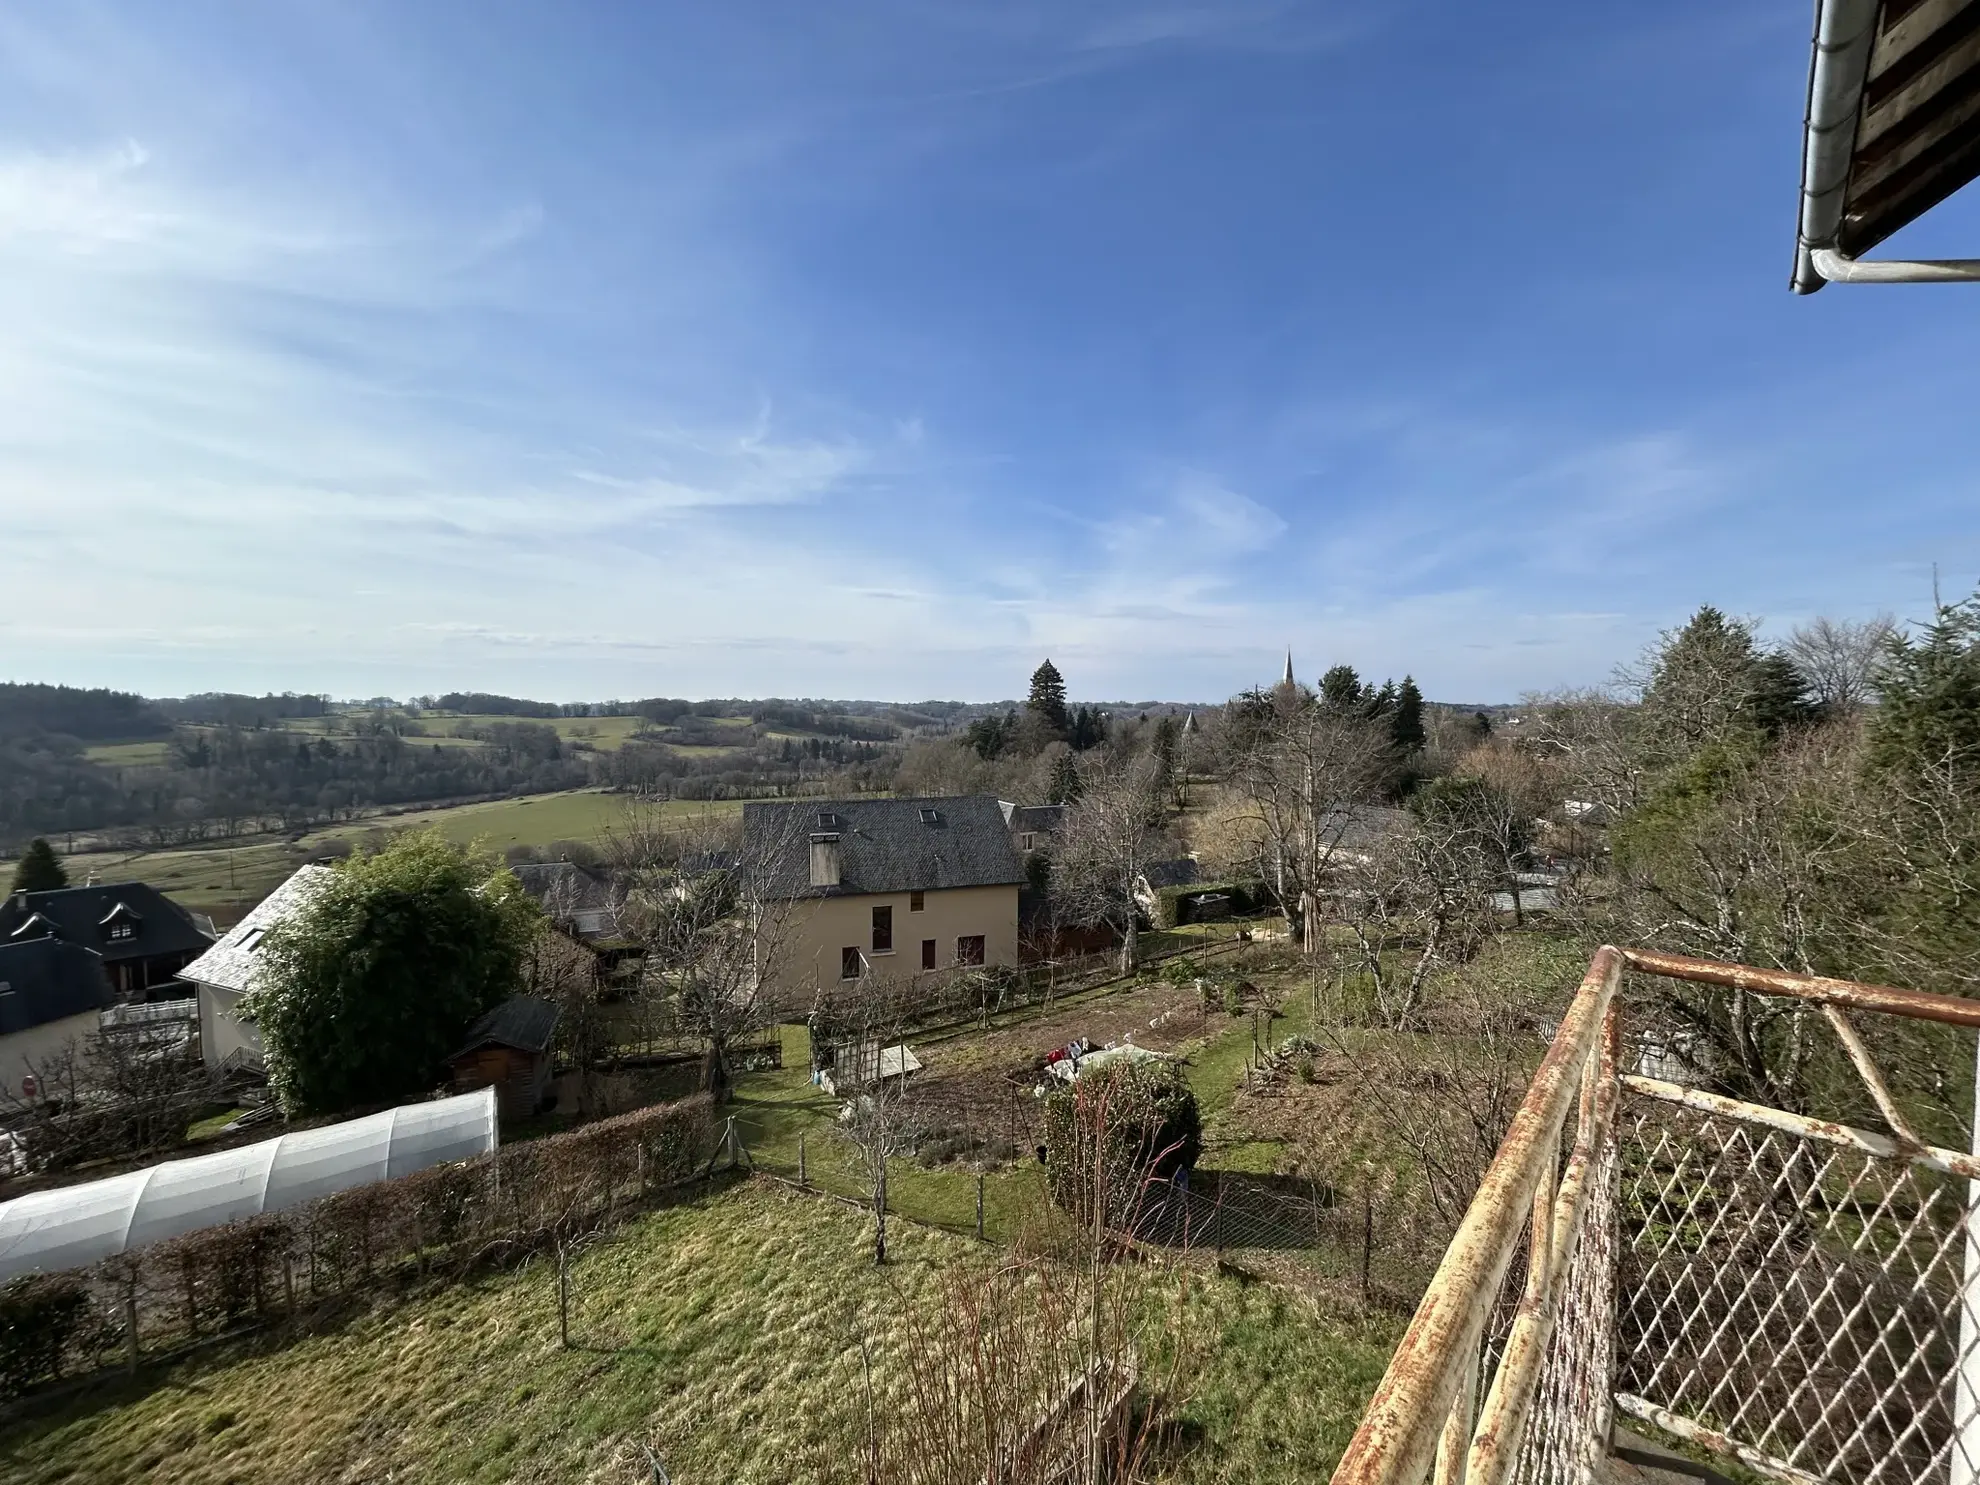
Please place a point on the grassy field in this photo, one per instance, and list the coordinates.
(222, 878)
(718, 1334)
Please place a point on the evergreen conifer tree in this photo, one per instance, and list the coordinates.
(1048, 699)
(1406, 721)
(1064, 788)
(40, 869)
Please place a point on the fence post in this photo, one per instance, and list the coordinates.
(800, 1157)
(131, 1325)
(1367, 1234)
(979, 1206)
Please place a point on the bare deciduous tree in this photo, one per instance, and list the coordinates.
(1839, 658)
(705, 907)
(1419, 904)
(1299, 767)
(864, 1023)
(1111, 836)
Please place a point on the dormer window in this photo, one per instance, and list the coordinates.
(827, 820)
(123, 930)
(931, 817)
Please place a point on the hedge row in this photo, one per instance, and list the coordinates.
(446, 1219)
(1172, 904)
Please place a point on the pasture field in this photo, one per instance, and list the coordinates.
(129, 754)
(602, 733)
(721, 1335)
(227, 880)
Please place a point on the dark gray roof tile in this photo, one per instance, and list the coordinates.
(886, 845)
(525, 1022)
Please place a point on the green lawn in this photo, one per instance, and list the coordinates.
(719, 1334)
(129, 754)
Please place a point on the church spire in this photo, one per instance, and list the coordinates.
(1289, 670)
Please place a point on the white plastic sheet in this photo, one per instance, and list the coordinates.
(77, 1225)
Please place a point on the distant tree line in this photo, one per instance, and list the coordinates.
(229, 780)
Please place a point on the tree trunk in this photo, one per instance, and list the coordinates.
(1131, 945)
(880, 1218)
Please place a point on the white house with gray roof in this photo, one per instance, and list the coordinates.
(895, 887)
(227, 971)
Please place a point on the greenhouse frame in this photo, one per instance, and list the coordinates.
(73, 1226)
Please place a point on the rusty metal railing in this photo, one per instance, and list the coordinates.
(1798, 1295)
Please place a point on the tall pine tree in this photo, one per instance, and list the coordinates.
(1406, 721)
(1048, 699)
(40, 869)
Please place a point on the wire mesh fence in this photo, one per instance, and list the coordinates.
(1798, 1297)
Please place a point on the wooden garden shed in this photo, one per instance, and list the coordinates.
(508, 1048)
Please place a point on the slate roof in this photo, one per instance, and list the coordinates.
(1038, 819)
(230, 964)
(48, 979)
(1357, 829)
(83, 915)
(885, 845)
(1177, 873)
(564, 887)
(525, 1022)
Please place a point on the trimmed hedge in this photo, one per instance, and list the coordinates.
(445, 1219)
(1142, 1116)
(1247, 897)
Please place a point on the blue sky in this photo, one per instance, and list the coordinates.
(879, 349)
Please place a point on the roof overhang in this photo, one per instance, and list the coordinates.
(1892, 129)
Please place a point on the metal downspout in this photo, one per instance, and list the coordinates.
(1844, 31)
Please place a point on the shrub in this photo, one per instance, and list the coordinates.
(1144, 1119)
(1172, 905)
(1233, 1001)
(40, 1314)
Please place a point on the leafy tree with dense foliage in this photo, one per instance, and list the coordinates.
(364, 992)
(40, 869)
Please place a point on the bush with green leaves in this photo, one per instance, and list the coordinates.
(1142, 1117)
(365, 991)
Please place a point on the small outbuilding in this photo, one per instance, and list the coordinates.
(508, 1049)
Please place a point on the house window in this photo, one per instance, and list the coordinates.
(931, 817)
(928, 953)
(1027, 840)
(883, 930)
(969, 949)
(849, 963)
(916, 902)
(253, 939)
(122, 930)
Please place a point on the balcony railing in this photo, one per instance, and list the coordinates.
(1797, 1295)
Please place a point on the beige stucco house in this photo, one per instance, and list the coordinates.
(895, 887)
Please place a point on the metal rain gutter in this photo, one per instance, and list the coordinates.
(1844, 32)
